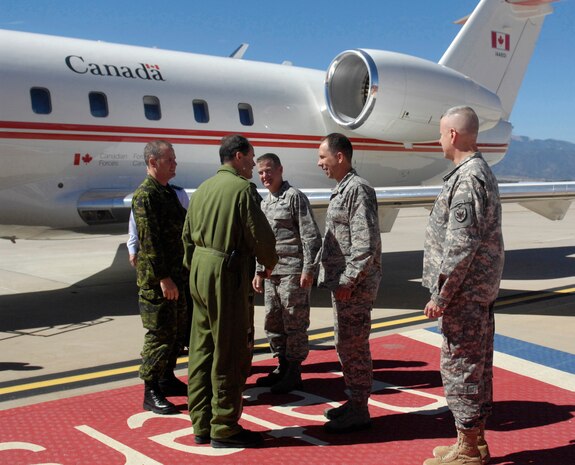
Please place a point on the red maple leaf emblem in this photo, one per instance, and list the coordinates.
(87, 158)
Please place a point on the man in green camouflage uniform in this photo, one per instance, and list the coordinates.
(351, 269)
(287, 291)
(224, 230)
(162, 278)
(463, 262)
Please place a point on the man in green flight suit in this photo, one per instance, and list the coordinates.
(224, 230)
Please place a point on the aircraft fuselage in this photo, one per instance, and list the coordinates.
(79, 152)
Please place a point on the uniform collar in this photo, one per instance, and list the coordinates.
(280, 194)
(228, 169)
(340, 186)
(157, 184)
(475, 156)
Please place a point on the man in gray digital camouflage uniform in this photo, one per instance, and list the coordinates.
(350, 266)
(287, 290)
(462, 266)
(162, 279)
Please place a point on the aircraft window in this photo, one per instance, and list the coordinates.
(98, 104)
(41, 100)
(246, 114)
(152, 107)
(201, 113)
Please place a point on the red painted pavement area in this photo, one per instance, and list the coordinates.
(532, 423)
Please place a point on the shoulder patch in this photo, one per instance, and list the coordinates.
(461, 215)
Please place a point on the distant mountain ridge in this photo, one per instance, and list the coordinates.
(537, 160)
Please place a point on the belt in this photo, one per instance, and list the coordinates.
(214, 252)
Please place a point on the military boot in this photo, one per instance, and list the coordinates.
(336, 412)
(355, 417)
(274, 376)
(465, 451)
(290, 381)
(155, 401)
(441, 451)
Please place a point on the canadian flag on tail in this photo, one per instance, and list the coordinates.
(500, 40)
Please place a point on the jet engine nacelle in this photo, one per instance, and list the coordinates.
(400, 98)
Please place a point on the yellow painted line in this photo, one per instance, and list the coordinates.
(422, 317)
(312, 337)
(373, 326)
(399, 321)
(537, 295)
(67, 379)
(326, 334)
(75, 379)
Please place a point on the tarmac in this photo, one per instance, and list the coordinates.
(68, 299)
(70, 324)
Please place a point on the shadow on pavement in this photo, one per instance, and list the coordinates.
(113, 291)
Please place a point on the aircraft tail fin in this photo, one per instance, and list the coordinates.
(495, 45)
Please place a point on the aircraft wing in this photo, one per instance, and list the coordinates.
(549, 199)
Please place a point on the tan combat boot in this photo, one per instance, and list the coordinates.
(465, 451)
(442, 451)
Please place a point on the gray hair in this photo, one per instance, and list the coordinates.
(155, 149)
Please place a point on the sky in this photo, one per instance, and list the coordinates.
(310, 33)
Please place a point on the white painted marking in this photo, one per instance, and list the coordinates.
(508, 362)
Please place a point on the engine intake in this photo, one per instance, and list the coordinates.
(400, 98)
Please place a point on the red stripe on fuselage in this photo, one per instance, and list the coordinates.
(80, 132)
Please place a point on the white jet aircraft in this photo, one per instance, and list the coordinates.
(75, 116)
